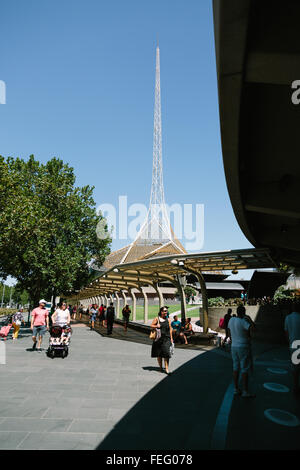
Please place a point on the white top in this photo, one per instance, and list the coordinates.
(239, 328)
(62, 316)
(292, 326)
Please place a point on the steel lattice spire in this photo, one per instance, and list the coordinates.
(158, 224)
(156, 230)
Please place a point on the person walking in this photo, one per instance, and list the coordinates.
(101, 315)
(239, 330)
(162, 344)
(74, 312)
(80, 311)
(17, 320)
(104, 323)
(292, 331)
(110, 316)
(61, 316)
(227, 317)
(126, 315)
(93, 314)
(39, 324)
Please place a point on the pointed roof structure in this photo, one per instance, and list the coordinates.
(156, 236)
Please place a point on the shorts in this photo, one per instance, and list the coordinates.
(241, 358)
(39, 330)
(93, 317)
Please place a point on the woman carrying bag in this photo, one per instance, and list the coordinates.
(161, 347)
(17, 320)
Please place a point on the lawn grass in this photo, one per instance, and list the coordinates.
(154, 309)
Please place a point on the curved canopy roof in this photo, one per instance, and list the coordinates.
(167, 268)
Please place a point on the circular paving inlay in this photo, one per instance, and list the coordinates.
(275, 370)
(282, 417)
(276, 387)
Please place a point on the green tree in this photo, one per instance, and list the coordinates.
(189, 291)
(47, 227)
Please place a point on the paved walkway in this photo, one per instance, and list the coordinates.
(109, 394)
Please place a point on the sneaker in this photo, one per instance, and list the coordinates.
(247, 395)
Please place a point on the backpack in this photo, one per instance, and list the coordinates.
(222, 323)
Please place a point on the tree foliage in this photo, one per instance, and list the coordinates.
(47, 227)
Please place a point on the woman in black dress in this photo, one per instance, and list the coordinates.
(161, 346)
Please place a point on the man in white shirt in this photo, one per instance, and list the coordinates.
(239, 330)
(292, 331)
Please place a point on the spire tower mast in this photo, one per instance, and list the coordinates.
(156, 236)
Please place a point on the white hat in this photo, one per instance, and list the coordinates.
(43, 301)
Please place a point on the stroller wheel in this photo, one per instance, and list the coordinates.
(63, 355)
(52, 354)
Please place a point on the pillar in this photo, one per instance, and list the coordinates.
(145, 305)
(117, 305)
(133, 305)
(182, 300)
(124, 297)
(204, 301)
(201, 280)
(160, 295)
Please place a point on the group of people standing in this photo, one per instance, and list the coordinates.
(105, 316)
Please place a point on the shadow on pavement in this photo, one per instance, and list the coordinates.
(179, 412)
(151, 368)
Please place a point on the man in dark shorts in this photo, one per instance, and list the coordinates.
(39, 324)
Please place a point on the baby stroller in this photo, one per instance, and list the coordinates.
(4, 331)
(59, 341)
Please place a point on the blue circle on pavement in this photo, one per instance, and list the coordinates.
(276, 387)
(282, 417)
(275, 370)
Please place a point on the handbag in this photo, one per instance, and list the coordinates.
(155, 334)
(172, 348)
(152, 334)
(18, 322)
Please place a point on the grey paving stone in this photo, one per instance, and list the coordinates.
(61, 441)
(25, 387)
(10, 440)
(45, 379)
(117, 413)
(91, 425)
(98, 388)
(76, 413)
(64, 387)
(127, 394)
(5, 385)
(38, 425)
(74, 403)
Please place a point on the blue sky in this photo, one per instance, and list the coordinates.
(80, 86)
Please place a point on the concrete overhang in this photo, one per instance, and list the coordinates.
(258, 59)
